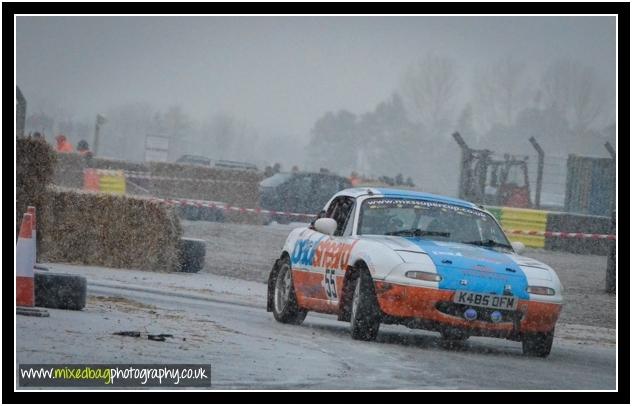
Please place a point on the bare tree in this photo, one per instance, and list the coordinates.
(500, 92)
(576, 91)
(429, 88)
(124, 135)
(179, 127)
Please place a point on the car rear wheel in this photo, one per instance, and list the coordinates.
(365, 311)
(285, 307)
(537, 344)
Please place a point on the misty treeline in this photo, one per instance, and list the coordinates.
(498, 107)
(564, 106)
(220, 136)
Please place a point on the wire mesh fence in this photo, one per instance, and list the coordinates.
(553, 181)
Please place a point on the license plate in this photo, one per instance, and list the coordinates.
(486, 300)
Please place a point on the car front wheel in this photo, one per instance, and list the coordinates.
(365, 311)
(537, 344)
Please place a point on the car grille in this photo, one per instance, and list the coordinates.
(484, 313)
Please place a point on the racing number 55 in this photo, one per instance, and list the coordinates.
(330, 283)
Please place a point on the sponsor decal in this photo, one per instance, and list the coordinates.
(322, 253)
(304, 251)
(419, 204)
(454, 253)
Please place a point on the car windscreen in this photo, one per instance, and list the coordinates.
(275, 180)
(429, 219)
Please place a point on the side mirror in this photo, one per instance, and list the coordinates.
(325, 225)
(518, 246)
(321, 214)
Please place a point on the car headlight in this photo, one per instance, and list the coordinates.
(424, 276)
(541, 290)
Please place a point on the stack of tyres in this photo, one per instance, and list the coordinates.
(192, 255)
(202, 213)
(60, 291)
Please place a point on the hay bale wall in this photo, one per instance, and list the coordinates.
(108, 230)
(34, 171)
(89, 228)
(235, 187)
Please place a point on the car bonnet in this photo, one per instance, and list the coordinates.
(475, 269)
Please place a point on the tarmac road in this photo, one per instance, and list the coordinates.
(229, 328)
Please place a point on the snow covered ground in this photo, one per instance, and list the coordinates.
(218, 316)
(222, 321)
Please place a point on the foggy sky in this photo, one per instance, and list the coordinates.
(278, 73)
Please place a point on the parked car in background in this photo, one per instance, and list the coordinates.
(298, 192)
(194, 160)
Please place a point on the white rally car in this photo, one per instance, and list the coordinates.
(395, 256)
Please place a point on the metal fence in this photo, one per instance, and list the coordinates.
(553, 181)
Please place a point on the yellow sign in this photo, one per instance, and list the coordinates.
(526, 220)
(112, 181)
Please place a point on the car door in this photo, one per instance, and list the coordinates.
(323, 260)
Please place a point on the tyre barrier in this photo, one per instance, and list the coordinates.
(60, 291)
(192, 255)
(586, 223)
(194, 213)
(611, 269)
(190, 210)
(555, 231)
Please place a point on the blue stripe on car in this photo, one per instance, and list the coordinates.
(485, 270)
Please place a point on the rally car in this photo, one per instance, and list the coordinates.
(391, 256)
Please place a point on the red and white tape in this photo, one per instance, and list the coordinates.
(224, 206)
(588, 236)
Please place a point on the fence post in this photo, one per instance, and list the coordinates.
(613, 155)
(464, 177)
(20, 112)
(611, 276)
(100, 120)
(538, 185)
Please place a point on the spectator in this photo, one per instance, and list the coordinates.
(63, 145)
(268, 171)
(84, 149)
(355, 179)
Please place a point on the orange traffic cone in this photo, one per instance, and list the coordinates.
(31, 210)
(25, 260)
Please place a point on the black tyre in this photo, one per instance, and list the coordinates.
(284, 305)
(365, 311)
(192, 255)
(282, 219)
(220, 217)
(190, 212)
(266, 219)
(207, 214)
(60, 291)
(211, 214)
(537, 344)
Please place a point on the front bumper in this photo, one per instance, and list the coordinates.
(431, 307)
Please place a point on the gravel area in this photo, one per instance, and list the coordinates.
(584, 281)
(248, 252)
